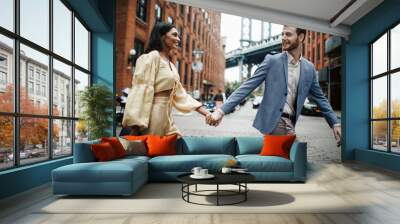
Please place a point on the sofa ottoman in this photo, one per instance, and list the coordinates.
(87, 177)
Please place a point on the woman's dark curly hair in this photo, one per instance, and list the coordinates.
(159, 30)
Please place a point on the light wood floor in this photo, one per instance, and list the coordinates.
(378, 188)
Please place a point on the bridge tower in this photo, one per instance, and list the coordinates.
(247, 37)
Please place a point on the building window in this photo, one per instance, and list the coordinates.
(44, 77)
(139, 48)
(3, 61)
(141, 10)
(194, 23)
(3, 78)
(158, 13)
(30, 72)
(385, 97)
(30, 87)
(44, 91)
(3, 72)
(34, 94)
(185, 78)
(55, 98)
(187, 47)
(37, 75)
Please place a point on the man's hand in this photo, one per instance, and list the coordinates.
(337, 132)
(215, 118)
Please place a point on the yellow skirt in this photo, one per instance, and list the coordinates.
(161, 121)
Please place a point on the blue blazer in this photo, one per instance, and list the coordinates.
(274, 71)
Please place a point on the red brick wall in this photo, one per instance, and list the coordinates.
(207, 38)
(313, 43)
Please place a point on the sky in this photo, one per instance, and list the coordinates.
(231, 29)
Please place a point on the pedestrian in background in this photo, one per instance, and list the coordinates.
(219, 99)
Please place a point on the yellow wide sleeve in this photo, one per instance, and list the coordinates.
(140, 99)
(183, 101)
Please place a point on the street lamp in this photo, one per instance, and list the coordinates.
(131, 59)
(197, 67)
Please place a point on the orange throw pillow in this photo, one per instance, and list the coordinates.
(134, 137)
(277, 145)
(116, 145)
(161, 145)
(103, 152)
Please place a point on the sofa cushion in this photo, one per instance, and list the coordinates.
(136, 137)
(83, 152)
(103, 152)
(161, 145)
(112, 171)
(249, 145)
(257, 163)
(128, 159)
(185, 163)
(134, 147)
(198, 145)
(116, 145)
(277, 145)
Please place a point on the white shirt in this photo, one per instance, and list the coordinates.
(292, 83)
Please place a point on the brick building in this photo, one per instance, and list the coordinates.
(323, 50)
(199, 29)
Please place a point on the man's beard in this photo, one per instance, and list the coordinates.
(292, 46)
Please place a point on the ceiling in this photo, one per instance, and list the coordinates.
(328, 16)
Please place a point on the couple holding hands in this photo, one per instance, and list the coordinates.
(288, 78)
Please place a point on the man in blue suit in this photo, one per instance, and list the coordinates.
(289, 79)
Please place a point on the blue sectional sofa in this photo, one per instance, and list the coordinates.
(125, 176)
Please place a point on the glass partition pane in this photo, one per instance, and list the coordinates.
(62, 89)
(81, 131)
(34, 73)
(81, 81)
(379, 135)
(81, 45)
(6, 142)
(395, 135)
(6, 74)
(62, 29)
(34, 21)
(395, 95)
(7, 14)
(379, 56)
(379, 98)
(62, 138)
(34, 144)
(395, 47)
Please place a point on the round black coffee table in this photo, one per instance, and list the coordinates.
(238, 179)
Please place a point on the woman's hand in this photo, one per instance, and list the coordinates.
(201, 110)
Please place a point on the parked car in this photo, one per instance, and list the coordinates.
(257, 101)
(25, 154)
(310, 108)
(209, 105)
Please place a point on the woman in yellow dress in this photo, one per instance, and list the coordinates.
(156, 87)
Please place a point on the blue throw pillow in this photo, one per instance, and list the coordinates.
(249, 145)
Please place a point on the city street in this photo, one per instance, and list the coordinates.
(313, 130)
